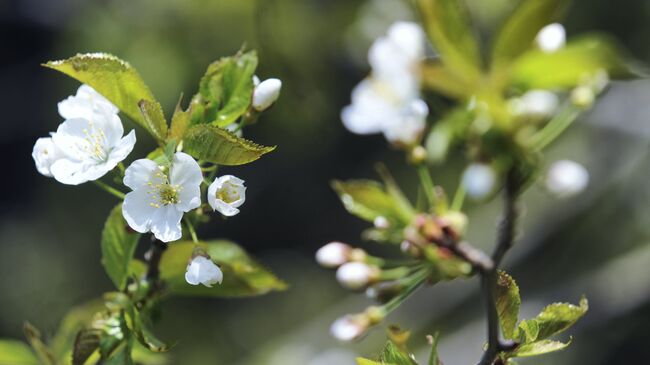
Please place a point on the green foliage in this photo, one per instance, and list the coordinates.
(180, 122)
(242, 276)
(120, 83)
(539, 348)
(369, 199)
(43, 353)
(448, 131)
(85, 344)
(395, 352)
(517, 34)
(553, 320)
(449, 28)
(16, 353)
(219, 146)
(227, 88)
(436, 76)
(118, 245)
(567, 67)
(507, 302)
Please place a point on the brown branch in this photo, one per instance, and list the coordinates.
(155, 254)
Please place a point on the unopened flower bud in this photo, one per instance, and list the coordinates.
(566, 178)
(266, 93)
(333, 254)
(357, 275)
(551, 38)
(374, 314)
(535, 103)
(479, 180)
(381, 222)
(409, 248)
(349, 328)
(418, 155)
(457, 221)
(201, 270)
(583, 96)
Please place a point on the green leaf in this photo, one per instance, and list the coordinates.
(121, 355)
(362, 361)
(368, 200)
(154, 118)
(14, 352)
(216, 145)
(85, 344)
(143, 334)
(448, 131)
(391, 354)
(558, 317)
(448, 25)
(118, 245)
(242, 276)
(567, 67)
(75, 320)
(539, 348)
(181, 120)
(120, 83)
(507, 303)
(528, 331)
(141, 355)
(230, 82)
(43, 353)
(519, 31)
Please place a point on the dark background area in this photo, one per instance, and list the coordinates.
(595, 244)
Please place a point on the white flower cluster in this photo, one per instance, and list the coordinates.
(388, 101)
(88, 144)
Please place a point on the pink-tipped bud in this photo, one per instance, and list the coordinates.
(349, 328)
(333, 254)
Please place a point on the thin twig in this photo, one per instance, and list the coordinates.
(153, 270)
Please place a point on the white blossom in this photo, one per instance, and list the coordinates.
(356, 275)
(566, 178)
(85, 103)
(551, 38)
(159, 198)
(90, 146)
(333, 254)
(45, 153)
(380, 222)
(479, 180)
(226, 194)
(266, 93)
(389, 100)
(201, 270)
(536, 103)
(348, 328)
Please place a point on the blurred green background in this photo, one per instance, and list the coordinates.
(596, 243)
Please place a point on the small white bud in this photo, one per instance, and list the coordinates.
(333, 254)
(266, 93)
(551, 38)
(583, 96)
(381, 222)
(201, 270)
(566, 178)
(226, 194)
(479, 180)
(356, 275)
(536, 103)
(348, 328)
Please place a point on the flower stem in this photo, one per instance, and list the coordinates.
(190, 227)
(555, 127)
(414, 282)
(109, 189)
(459, 198)
(427, 184)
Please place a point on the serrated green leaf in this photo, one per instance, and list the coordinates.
(519, 31)
(226, 89)
(527, 331)
(43, 353)
(14, 352)
(242, 276)
(448, 25)
(118, 245)
(181, 121)
(143, 333)
(219, 146)
(567, 67)
(120, 83)
(85, 344)
(368, 200)
(539, 348)
(507, 303)
(558, 317)
(120, 356)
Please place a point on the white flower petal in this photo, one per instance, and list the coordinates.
(551, 38)
(479, 180)
(141, 173)
(566, 178)
(166, 223)
(138, 210)
(201, 270)
(185, 170)
(122, 149)
(226, 194)
(86, 102)
(45, 153)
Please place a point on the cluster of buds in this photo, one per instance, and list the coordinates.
(353, 269)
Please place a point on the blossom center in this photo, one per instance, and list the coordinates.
(228, 193)
(96, 139)
(164, 193)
